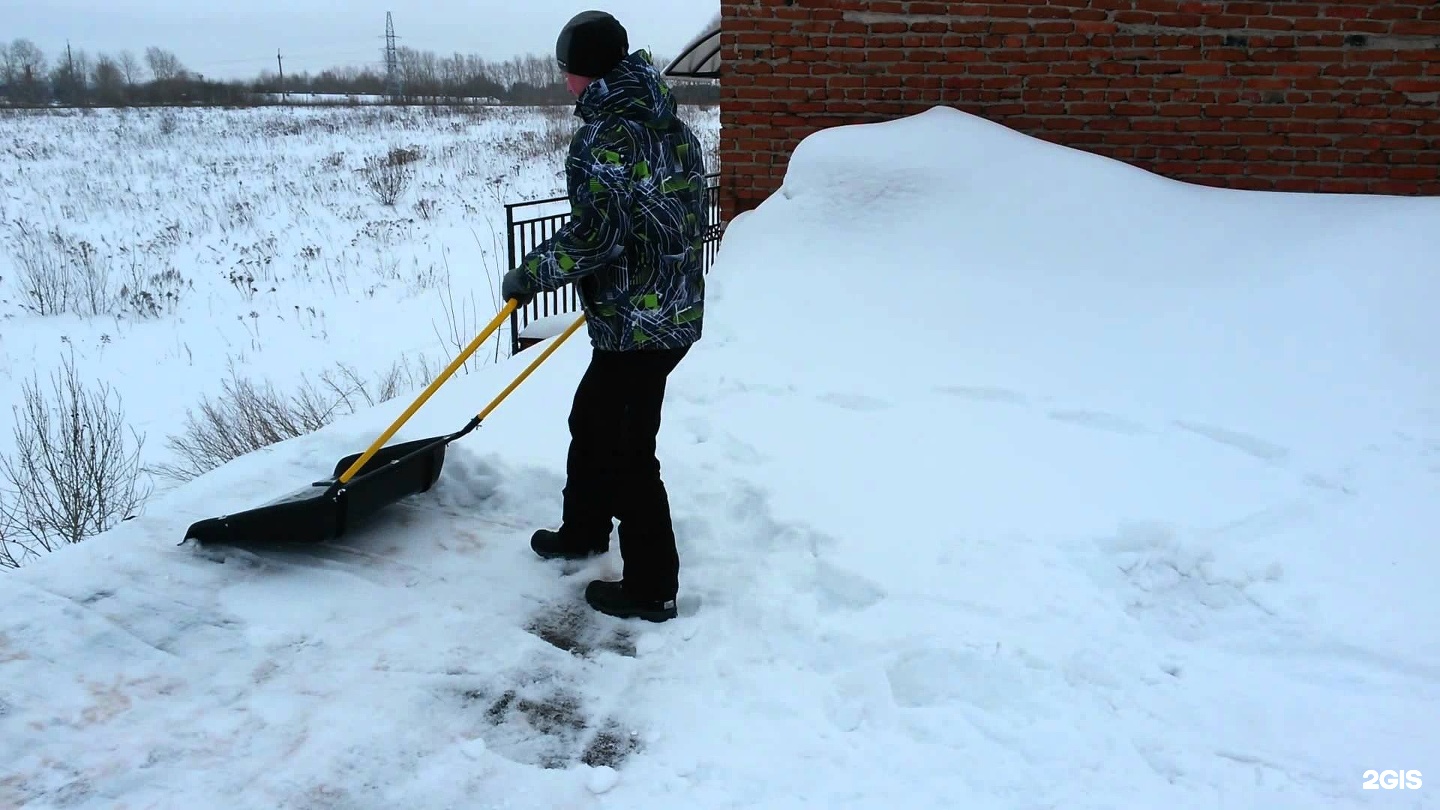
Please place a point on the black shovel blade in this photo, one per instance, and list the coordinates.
(324, 511)
(392, 474)
(310, 515)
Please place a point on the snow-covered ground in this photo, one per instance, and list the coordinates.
(1005, 476)
(251, 244)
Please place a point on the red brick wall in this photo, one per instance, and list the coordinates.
(1329, 95)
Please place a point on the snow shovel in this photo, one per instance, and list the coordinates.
(364, 483)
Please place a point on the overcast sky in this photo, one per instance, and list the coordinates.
(239, 38)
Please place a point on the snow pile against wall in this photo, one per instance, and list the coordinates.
(941, 246)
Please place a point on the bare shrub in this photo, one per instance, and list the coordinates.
(73, 473)
(45, 279)
(94, 290)
(11, 556)
(248, 416)
(404, 157)
(245, 418)
(388, 176)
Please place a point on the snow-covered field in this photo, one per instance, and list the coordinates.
(355, 98)
(1005, 476)
(175, 250)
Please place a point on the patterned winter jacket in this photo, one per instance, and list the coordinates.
(636, 180)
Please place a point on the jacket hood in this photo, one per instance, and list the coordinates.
(633, 90)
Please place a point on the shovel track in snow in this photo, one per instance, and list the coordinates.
(552, 728)
(540, 714)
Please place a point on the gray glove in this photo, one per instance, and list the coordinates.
(513, 286)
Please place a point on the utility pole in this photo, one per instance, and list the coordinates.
(74, 89)
(281, 63)
(392, 60)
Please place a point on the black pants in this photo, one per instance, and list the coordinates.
(612, 471)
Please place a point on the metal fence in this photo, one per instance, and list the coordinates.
(527, 224)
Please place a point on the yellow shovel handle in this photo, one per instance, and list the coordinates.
(429, 390)
(534, 364)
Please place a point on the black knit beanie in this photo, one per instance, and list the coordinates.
(591, 44)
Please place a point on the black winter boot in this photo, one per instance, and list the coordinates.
(557, 545)
(612, 599)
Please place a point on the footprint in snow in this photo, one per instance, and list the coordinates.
(1327, 484)
(1245, 443)
(854, 402)
(767, 389)
(98, 596)
(1099, 421)
(979, 393)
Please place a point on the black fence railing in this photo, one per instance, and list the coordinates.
(527, 224)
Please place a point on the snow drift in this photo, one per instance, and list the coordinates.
(1006, 476)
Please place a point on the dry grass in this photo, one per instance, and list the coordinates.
(249, 416)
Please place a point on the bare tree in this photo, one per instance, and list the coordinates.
(70, 76)
(452, 74)
(25, 71)
(29, 56)
(164, 65)
(81, 63)
(130, 67)
(73, 473)
(541, 71)
(419, 72)
(109, 80)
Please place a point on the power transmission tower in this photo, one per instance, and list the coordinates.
(392, 61)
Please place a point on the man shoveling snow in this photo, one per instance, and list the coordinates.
(636, 180)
